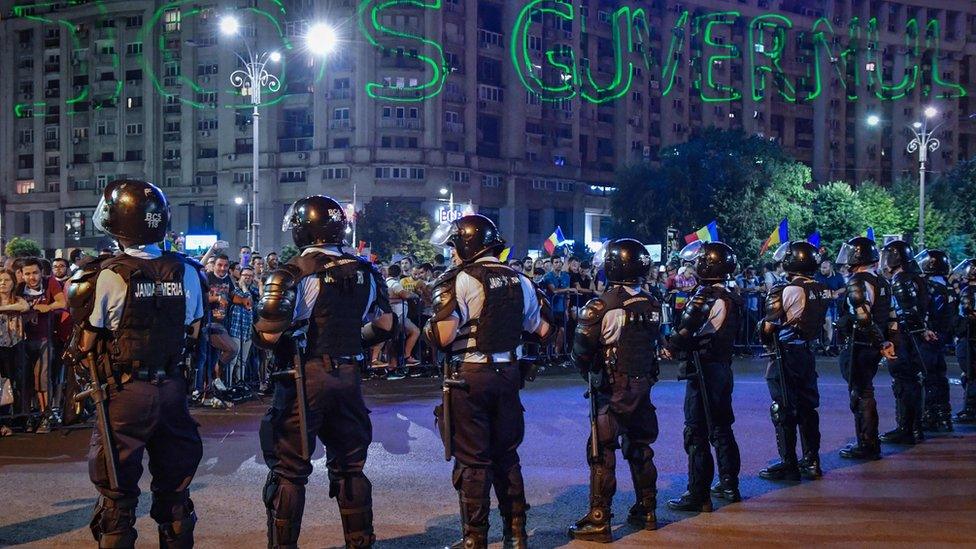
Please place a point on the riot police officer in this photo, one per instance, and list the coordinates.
(616, 348)
(319, 312)
(941, 316)
(910, 301)
(706, 331)
(795, 313)
(965, 272)
(866, 321)
(482, 311)
(133, 315)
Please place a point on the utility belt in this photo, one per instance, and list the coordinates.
(151, 373)
(796, 343)
(330, 362)
(462, 366)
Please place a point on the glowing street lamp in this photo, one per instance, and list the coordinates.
(923, 143)
(874, 120)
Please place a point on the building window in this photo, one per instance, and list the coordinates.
(243, 177)
(395, 172)
(491, 181)
(460, 176)
(24, 186)
(133, 155)
(340, 143)
(133, 129)
(204, 125)
(564, 220)
(335, 173)
(292, 176)
(490, 213)
(133, 48)
(207, 152)
(171, 20)
(205, 179)
(535, 221)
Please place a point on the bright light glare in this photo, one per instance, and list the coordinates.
(275, 57)
(321, 39)
(930, 112)
(238, 200)
(874, 120)
(443, 191)
(229, 25)
(917, 125)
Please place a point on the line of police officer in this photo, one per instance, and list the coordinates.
(138, 317)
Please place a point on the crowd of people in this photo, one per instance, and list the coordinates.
(35, 323)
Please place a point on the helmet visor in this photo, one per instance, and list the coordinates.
(443, 233)
(600, 255)
(844, 255)
(780, 253)
(100, 215)
(289, 222)
(965, 270)
(888, 261)
(692, 251)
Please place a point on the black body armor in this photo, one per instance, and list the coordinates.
(911, 300)
(941, 309)
(635, 352)
(967, 312)
(869, 318)
(498, 329)
(152, 330)
(810, 322)
(717, 346)
(346, 283)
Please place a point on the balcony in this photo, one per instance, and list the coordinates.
(171, 164)
(52, 170)
(344, 93)
(171, 136)
(489, 40)
(403, 123)
(343, 124)
(52, 67)
(52, 144)
(454, 127)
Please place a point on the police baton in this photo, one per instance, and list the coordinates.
(99, 395)
(594, 447)
(776, 354)
(696, 360)
(450, 383)
(297, 375)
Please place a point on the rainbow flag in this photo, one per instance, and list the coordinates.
(503, 257)
(708, 233)
(780, 234)
(555, 239)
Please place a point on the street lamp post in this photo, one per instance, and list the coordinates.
(923, 143)
(240, 201)
(251, 79)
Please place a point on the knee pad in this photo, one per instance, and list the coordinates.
(777, 413)
(113, 522)
(636, 452)
(855, 402)
(350, 489)
(171, 506)
(283, 497)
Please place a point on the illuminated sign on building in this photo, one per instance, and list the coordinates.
(851, 54)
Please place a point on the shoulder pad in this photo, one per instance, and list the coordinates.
(285, 276)
(447, 275)
(303, 265)
(81, 287)
(593, 311)
(698, 303)
(444, 300)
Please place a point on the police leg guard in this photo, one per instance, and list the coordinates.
(904, 415)
(354, 494)
(786, 469)
(729, 462)
(510, 491)
(809, 424)
(473, 485)
(176, 518)
(701, 469)
(595, 525)
(113, 523)
(285, 502)
(640, 458)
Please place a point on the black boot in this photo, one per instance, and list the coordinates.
(285, 503)
(810, 466)
(930, 420)
(727, 488)
(691, 503)
(514, 535)
(595, 526)
(643, 514)
(903, 432)
(866, 424)
(781, 471)
(944, 420)
(966, 416)
(113, 524)
(475, 538)
(474, 495)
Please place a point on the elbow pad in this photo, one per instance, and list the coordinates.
(372, 334)
(276, 310)
(586, 344)
(443, 306)
(546, 314)
(771, 323)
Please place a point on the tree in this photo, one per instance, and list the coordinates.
(288, 251)
(23, 247)
(396, 228)
(879, 209)
(954, 192)
(939, 225)
(837, 213)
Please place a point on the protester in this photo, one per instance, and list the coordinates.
(43, 295)
(246, 294)
(221, 289)
(11, 344)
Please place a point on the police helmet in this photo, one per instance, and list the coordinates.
(966, 270)
(315, 220)
(624, 260)
(133, 211)
(857, 252)
(713, 261)
(472, 236)
(934, 262)
(798, 257)
(897, 254)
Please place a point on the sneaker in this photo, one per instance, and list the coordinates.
(44, 427)
(219, 385)
(395, 374)
(5, 431)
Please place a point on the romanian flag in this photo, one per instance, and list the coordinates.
(708, 233)
(869, 232)
(555, 239)
(503, 257)
(780, 235)
(814, 239)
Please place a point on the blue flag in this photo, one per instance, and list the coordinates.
(814, 239)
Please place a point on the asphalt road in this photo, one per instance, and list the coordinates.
(922, 495)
